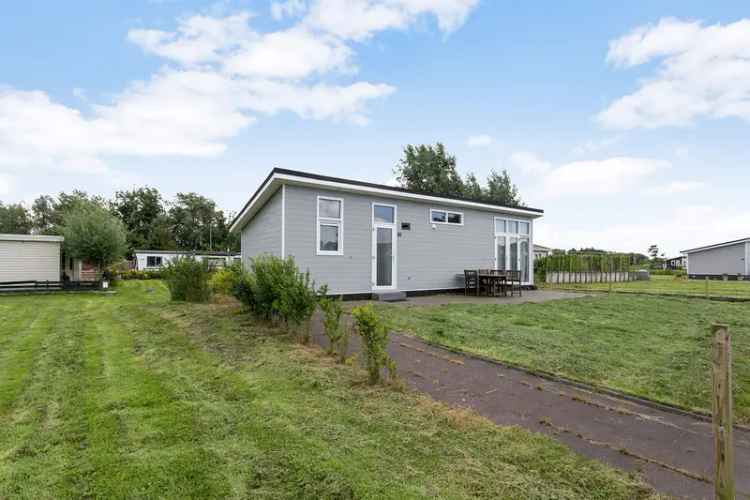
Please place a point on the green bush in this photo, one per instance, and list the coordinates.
(187, 280)
(374, 343)
(338, 336)
(224, 280)
(275, 289)
(135, 274)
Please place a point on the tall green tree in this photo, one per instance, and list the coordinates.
(501, 190)
(92, 233)
(43, 214)
(196, 223)
(142, 211)
(14, 219)
(429, 169)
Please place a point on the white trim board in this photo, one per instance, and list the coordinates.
(280, 178)
(283, 221)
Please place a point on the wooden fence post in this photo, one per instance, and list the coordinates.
(722, 413)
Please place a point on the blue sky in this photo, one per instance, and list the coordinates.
(627, 124)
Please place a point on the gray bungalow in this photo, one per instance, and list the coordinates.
(362, 238)
(731, 258)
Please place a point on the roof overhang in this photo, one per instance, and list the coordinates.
(718, 245)
(279, 177)
(32, 237)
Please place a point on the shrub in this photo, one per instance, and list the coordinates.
(374, 343)
(338, 336)
(187, 280)
(275, 289)
(224, 280)
(135, 274)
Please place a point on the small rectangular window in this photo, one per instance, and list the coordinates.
(499, 225)
(512, 227)
(524, 227)
(384, 213)
(330, 226)
(446, 217)
(153, 261)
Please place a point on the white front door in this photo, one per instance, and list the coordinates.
(384, 248)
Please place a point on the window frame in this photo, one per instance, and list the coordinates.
(157, 258)
(329, 221)
(520, 237)
(447, 212)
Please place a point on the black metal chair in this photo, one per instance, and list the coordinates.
(471, 281)
(514, 280)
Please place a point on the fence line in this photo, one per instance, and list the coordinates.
(567, 277)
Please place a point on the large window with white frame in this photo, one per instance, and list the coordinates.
(513, 246)
(330, 240)
(439, 216)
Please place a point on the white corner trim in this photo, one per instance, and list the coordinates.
(283, 221)
(747, 258)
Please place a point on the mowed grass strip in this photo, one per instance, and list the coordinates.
(668, 285)
(655, 347)
(132, 396)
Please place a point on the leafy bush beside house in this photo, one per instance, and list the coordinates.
(187, 280)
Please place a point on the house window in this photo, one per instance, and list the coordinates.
(512, 246)
(446, 217)
(330, 226)
(153, 261)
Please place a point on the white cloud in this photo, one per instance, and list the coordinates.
(594, 177)
(360, 19)
(676, 187)
(529, 163)
(704, 72)
(479, 141)
(594, 146)
(220, 77)
(6, 184)
(289, 8)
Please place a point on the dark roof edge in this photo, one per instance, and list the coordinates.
(708, 247)
(308, 175)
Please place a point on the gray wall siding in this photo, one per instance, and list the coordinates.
(427, 258)
(29, 260)
(724, 260)
(263, 233)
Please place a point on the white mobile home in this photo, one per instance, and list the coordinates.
(362, 238)
(153, 260)
(25, 257)
(731, 258)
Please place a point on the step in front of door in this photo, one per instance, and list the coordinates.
(390, 296)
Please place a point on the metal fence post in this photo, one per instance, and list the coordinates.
(722, 412)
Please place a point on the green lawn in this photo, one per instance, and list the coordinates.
(127, 395)
(650, 346)
(670, 285)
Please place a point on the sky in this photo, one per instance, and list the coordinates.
(628, 124)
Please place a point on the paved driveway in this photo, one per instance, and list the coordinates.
(673, 452)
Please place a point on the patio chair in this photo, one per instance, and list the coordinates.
(514, 280)
(471, 281)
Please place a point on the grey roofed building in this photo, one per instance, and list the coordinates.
(731, 258)
(361, 238)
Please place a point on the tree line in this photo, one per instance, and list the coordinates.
(189, 222)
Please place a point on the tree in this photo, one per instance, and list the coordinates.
(142, 212)
(429, 169)
(501, 191)
(653, 251)
(193, 219)
(43, 214)
(14, 219)
(93, 234)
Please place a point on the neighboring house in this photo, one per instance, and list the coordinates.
(361, 238)
(676, 263)
(541, 251)
(152, 260)
(731, 258)
(25, 257)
